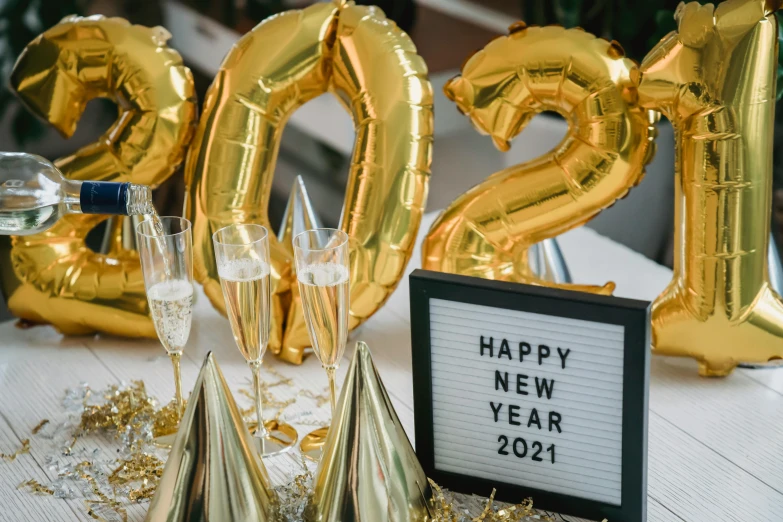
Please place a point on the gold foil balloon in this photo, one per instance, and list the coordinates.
(270, 72)
(53, 277)
(380, 78)
(373, 69)
(213, 473)
(714, 78)
(368, 471)
(487, 231)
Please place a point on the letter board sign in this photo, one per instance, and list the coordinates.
(534, 391)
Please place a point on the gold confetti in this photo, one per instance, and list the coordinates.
(166, 419)
(96, 509)
(36, 486)
(137, 495)
(10, 457)
(295, 495)
(320, 398)
(39, 426)
(103, 500)
(68, 450)
(450, 510)
(142, 469)
(123, 408)
(488, 509)
(281, 379)
(139, 467)
(310, 422)
(131, 415)
(267, 398)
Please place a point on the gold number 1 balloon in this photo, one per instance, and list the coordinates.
(487, 231)
(56, 278)
(714, 78)
(371, 66)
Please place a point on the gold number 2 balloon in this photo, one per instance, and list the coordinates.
(714, 78)
(487, 231)
(56, 278)
(373, 69)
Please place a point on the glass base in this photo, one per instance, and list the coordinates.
(313, 443)
(280, 438)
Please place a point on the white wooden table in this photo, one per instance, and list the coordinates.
(715, 446)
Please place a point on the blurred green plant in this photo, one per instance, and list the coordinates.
(261, 9)
(638, 26)
(20, 22)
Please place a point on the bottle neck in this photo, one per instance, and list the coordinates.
(139, 200)
(105, 197)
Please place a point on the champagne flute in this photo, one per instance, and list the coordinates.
(166, 252)
(323, 272)
(242, 255)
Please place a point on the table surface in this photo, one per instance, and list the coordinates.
(714, 444)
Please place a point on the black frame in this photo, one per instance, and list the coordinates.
(633, 315)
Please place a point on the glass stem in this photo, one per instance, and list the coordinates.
(261, 431)
(175, 360)
(332, 389)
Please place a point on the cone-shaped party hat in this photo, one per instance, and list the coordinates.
(299, 215)
(775, 266)
(213, 474)
(368, 471)
(547, 262)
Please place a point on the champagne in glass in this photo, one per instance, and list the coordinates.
(242, 255)
(171, 305)
(322, 269)
(324, 291)
(246, 289)
(166, 254)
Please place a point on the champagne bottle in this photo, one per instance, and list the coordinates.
(34, 195)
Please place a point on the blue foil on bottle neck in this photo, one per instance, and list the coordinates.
(104, 197)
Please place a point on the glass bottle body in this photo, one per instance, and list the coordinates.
(34, 195)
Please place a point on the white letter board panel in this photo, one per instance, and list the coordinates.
(528, 399)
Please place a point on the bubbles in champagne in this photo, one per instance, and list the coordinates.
(171, 304)
(324, 274)
(243, 269)
(246, 290)
(323, 288)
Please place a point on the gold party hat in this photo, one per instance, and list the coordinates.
(213, 474)
(299, 216)
(368, 471)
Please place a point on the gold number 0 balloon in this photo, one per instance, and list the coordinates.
(486, 232)
(714, 78)
(56, 279)
(373, 69)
